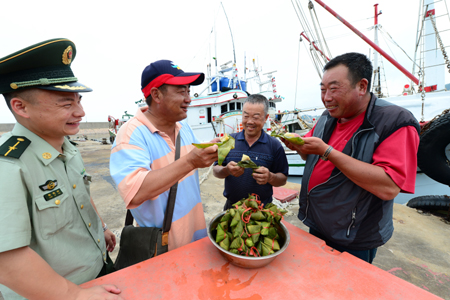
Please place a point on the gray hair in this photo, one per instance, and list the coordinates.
(258, 99)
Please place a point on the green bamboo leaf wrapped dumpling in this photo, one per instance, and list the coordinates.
(225, 145)
(225, 244)
(221, 234)
(246, 162)
(272, 243)
(291, 137)
(265, 228)
(225, 148)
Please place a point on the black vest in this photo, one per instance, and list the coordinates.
(344, 212)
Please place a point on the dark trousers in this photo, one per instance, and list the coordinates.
(366, 255)
(108, 267)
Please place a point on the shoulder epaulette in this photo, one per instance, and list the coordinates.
(14, 146)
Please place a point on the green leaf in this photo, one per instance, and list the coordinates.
(293, 139)
(224, 149)
(247, 164)
(203, 145)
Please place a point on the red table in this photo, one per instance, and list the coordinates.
(308, 269)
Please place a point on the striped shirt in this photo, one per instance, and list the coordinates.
(140, 148)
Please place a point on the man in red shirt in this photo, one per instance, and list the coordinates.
(367, 149)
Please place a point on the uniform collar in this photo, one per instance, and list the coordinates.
(43, 150)
(263, 138)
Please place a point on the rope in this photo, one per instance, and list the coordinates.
(206, 175)
(427, 126)
(323, 37)
(296, 79)
(441, 45)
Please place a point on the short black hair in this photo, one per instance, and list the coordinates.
(25, 94)
(162, 88)
(258, 99)
(359, 67)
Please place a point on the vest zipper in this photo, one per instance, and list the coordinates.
(307, 194)
(352, 222)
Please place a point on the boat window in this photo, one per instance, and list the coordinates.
(272, 104)
(208, 114)
(224, 108)
(232, 106)
(238, 105)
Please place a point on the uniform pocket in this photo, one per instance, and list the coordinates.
(54, 211)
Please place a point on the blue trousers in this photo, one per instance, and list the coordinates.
(366, 255)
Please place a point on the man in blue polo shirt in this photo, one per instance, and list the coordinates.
(264, 150)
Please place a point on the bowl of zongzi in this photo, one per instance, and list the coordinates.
(256, 238)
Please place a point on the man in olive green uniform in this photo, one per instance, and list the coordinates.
(51, 237)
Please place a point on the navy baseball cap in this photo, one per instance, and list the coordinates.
(166, 72)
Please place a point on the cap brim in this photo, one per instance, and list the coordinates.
(187, 78)
(66, 87)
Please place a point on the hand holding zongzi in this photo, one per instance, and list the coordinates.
(262, 175)
(234, 169)
(202, 157)
(225, 145)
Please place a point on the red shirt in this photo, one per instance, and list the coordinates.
(397, 154)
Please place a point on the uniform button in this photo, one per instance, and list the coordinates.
(89, 224)
(74, 186)
(104, 253)
(57, 202)
(98, 240)
(81, 206)
(104, 259)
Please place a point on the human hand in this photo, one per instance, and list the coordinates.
(234, 169)
(215, 140)
(313, 145)
(262, 175)
(100, 292)
(291, 145)
(110, 239)
(202, 158)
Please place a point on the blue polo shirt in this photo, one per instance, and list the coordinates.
(267, 152)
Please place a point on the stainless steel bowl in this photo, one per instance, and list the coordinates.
(245, 261)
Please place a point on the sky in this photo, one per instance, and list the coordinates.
(116, 40)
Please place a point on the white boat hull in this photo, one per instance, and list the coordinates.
(296, 163)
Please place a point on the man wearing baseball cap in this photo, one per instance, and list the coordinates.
(142, 158)
(51, 237)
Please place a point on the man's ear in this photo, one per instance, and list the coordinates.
(267, 116)
(156, 95)
(20, 107)
(363, 84)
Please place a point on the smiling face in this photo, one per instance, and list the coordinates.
(174, 102)
(52, 115)
(341, 98)
(253, 119)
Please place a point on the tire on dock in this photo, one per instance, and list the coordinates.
(431, 202)
(433, 156)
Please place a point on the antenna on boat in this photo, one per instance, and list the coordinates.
(245, 66)
(232, 40)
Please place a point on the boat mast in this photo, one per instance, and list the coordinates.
(376, 68)
(376, 47)
(232, 40)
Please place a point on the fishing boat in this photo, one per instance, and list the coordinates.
(426, 96)
(217, 109)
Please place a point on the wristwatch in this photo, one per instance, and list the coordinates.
(324, 157)
(105, 227)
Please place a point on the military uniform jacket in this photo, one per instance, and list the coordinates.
(45, 204)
